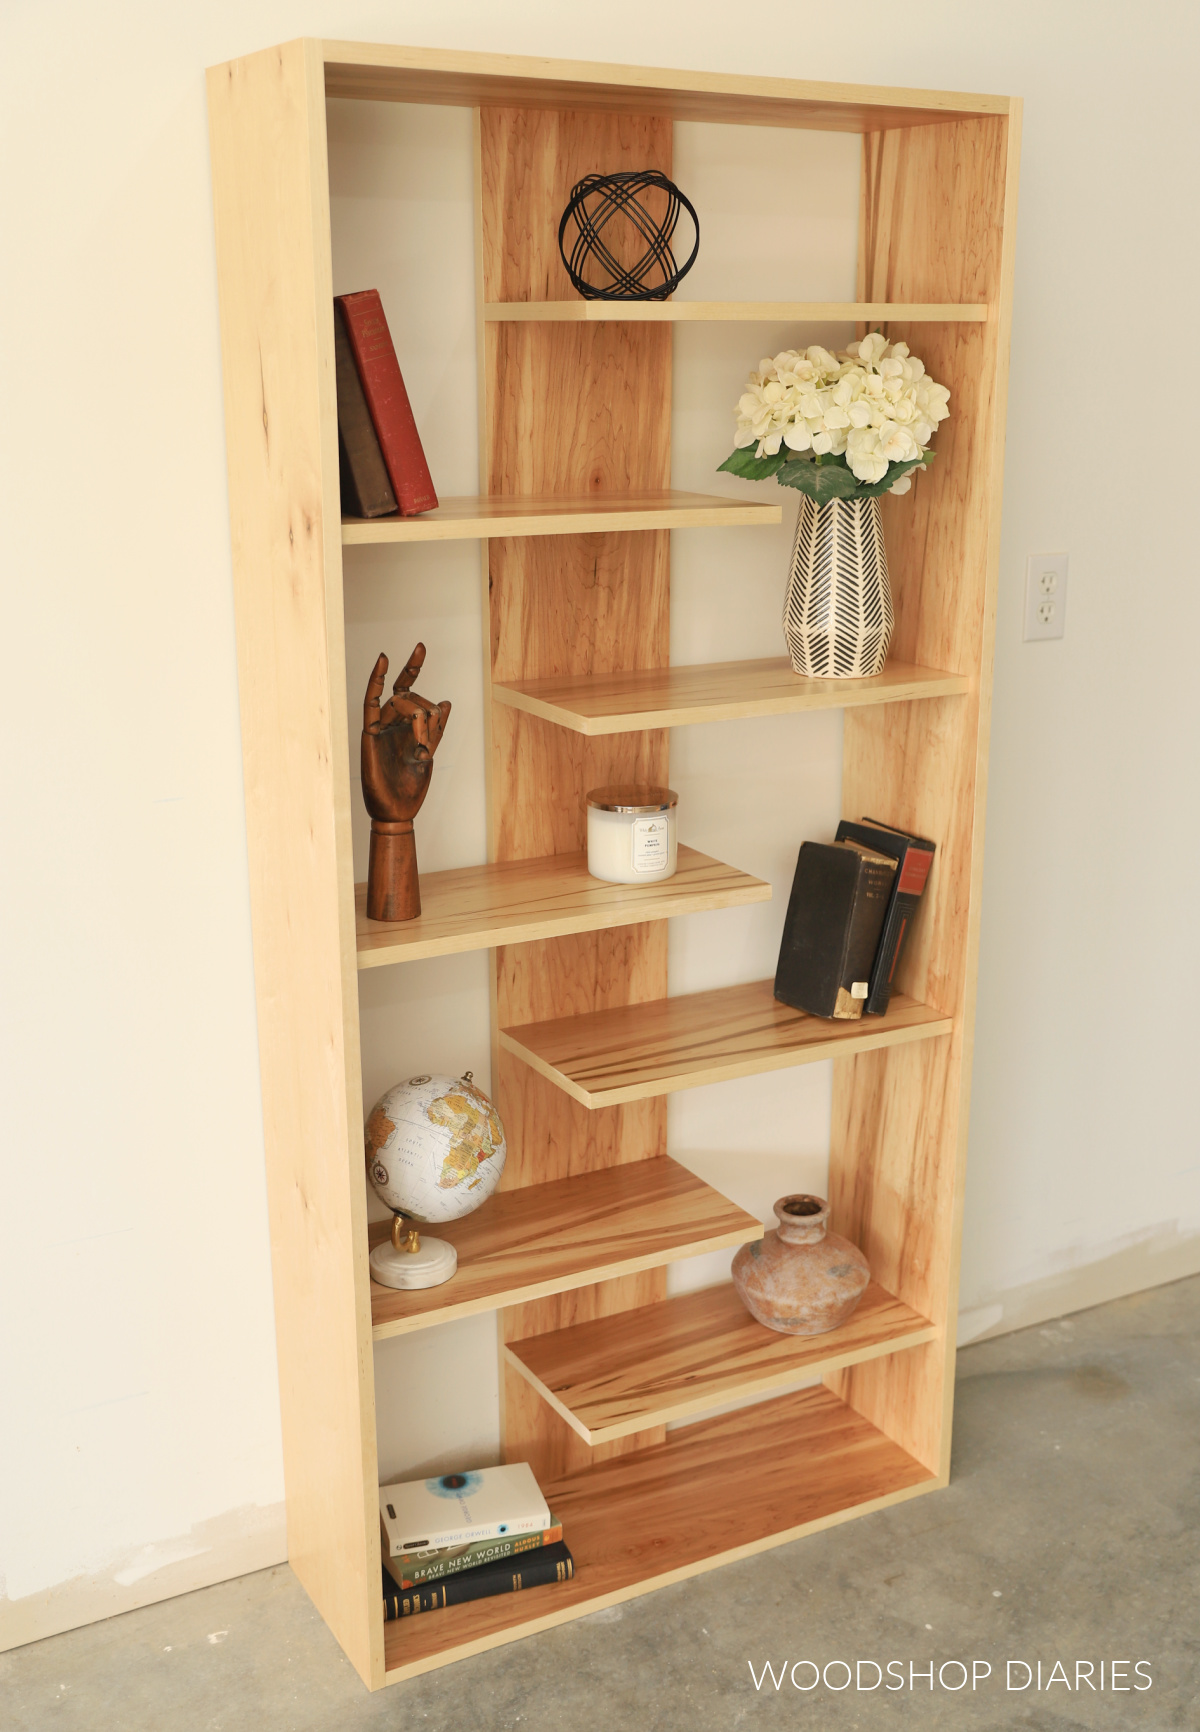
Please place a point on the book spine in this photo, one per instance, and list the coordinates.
(366, 490)
(872, 895)
(552, 1565)
(387, 399)
(911, 875)
(410, 1573)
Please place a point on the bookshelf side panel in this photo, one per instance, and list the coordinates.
(938, 220)
(270, 188)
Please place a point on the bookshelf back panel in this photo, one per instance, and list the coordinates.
(568, 409)
(938, 218)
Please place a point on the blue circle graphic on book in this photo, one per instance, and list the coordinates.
(456, 1485)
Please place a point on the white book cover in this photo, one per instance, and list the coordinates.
(457, 1508)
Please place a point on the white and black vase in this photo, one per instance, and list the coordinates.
(837, 613)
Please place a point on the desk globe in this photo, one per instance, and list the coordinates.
(435, 1151)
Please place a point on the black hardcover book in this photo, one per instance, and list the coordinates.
(831, 932)
(913, 856)
(503, 1576)
(366, 487)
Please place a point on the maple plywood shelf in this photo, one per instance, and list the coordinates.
(712, 1492)
(625, 702)
(639, 1051)
(580, 514)
(518, 901)
(554, 1237)
(618, 1375)
(719, 312)
(573, 522)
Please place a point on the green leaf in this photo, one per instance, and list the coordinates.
(824, 480)
(753, 468)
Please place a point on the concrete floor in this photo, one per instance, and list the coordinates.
(1070, 1532)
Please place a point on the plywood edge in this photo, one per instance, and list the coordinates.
(748, 312)
(588, 1277)
(648, 1585)
(652, 82)
(470, 520)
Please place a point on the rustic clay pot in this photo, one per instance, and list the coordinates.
(799, 1278)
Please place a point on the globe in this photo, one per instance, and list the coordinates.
(435, 1147)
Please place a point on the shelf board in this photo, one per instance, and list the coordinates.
(714, 1492)
(623, 703)
(641, 1050)
(542, 1239)
(616, 1375)
(516, 901)
(774, 312)
(575, 514)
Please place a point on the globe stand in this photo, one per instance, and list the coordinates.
(409, 1261)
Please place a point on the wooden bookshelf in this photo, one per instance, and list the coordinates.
(574, 426)
(711, 1493)
(564, 514)
(618, 1375)
(639, 1051)
(555, 1237)
(629, 702)
(723, 312)
(519, 901)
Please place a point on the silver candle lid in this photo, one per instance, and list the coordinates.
(627, 797)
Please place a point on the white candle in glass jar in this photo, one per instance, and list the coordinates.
(631, 835)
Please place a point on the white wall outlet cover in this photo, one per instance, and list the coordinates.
(1045, 596)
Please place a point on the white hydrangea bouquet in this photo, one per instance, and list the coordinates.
(838, 427)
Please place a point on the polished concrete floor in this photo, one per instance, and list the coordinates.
(1070, 1533)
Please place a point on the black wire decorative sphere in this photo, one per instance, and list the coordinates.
(594, 203)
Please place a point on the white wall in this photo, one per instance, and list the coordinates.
(140, 1451)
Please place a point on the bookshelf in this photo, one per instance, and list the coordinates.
(571, 1254)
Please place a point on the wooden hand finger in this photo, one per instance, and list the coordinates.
(410, 670)
(371, 721)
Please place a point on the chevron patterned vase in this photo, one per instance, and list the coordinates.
(837, 613)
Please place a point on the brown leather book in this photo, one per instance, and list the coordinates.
(366, 489)
(839, 897)
(391, 412)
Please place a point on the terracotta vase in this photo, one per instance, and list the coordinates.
(801, 1279)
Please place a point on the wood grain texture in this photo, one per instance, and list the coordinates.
(374, 72)
(721, 312)
(517, 901)
(629, 701)
(270, 189)
(695, 1351)
(938, 219)
(711, 1493)
(569, 410)
(550, 1238)
(570, 514)
(635, 1052)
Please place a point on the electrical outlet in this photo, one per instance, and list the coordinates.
(1045, 596)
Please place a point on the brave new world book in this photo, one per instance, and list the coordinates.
(412, 1568)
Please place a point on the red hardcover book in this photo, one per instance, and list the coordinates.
(383, 386)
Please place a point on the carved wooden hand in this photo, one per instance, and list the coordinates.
(398, 744)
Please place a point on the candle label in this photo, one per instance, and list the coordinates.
(650, 844)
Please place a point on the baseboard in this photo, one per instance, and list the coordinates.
(232, 1544)
(1148, 1259)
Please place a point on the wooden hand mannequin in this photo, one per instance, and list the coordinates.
(398, 743)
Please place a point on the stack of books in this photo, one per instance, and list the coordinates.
(383, 467)
(851, 910)
(467, 1536)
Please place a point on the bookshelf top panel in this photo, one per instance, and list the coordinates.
(376, 73)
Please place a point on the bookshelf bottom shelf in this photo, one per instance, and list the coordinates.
(713, 1492)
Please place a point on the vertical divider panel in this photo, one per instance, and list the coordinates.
(271, 200)
(567, 408)
(938, 222)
